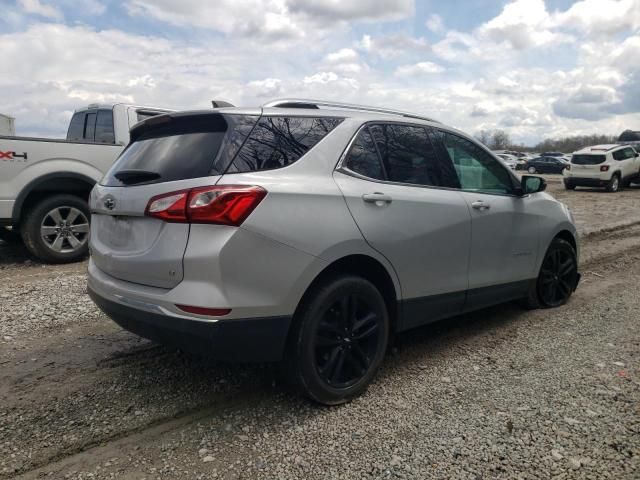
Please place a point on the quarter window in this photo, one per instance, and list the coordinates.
(276, 142)
(476, 169)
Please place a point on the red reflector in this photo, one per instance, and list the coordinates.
(604, 168)
(212, 312)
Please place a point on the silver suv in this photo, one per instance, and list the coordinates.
(311, 232)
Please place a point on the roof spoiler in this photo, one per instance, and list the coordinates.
(221, 104)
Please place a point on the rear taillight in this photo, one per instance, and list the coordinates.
(212, 312)
(604, 168)
(221, 205)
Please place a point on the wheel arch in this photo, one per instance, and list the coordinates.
(59, 182)
(567, 236)
(368, 268)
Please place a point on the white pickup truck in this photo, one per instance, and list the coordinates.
(45, 183)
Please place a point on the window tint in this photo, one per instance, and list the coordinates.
(408, 156)
(104, 127)
(280, 141)
(90, 127)
(582, 159)
(476, 169)
(240, 127)
(184, 148)
(363, 157)
(76, 127)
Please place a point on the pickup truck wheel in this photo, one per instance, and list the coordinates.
(56, 229)
(614, 183)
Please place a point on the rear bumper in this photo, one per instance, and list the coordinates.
(237, 340)
(586, 182)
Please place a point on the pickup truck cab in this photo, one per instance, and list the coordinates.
(609, 166)
(45, 183)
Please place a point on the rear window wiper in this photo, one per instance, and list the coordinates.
(130, 177)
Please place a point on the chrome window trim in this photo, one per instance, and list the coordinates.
(345, 170)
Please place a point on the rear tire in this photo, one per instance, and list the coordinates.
(339, 339)
(614, 183)
(569, 186)
(56, 230)
(531, 170)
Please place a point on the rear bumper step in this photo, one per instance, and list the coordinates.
(238, 340)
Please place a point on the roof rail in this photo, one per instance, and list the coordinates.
(306, 103)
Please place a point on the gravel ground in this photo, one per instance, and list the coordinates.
(500, 393)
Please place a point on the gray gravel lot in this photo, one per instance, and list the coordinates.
(500, 393)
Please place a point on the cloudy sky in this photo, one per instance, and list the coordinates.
(534, 68)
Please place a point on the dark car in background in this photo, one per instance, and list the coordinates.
(546, 165)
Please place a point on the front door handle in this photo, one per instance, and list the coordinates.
(377, 198)
(480, 205)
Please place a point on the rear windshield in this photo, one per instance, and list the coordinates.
(588, 159)
(185, 147)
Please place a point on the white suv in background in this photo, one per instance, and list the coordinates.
(609, 166)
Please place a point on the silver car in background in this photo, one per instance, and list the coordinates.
(311, 232)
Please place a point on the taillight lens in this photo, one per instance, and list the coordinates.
(170, 207)
(604, 168)
(212, 312)
(220, 205)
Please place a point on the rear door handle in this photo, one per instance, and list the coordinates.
(480, 205)
(377, 198)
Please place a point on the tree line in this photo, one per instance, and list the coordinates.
(501, 140)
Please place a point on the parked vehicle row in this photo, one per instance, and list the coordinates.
(45, 183)
(206, 235)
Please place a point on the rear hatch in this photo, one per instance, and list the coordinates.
(168, 153)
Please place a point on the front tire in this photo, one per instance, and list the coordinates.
(557, 279)
(56, 230)
(340, 336)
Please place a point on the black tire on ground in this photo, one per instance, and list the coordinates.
(9, 236)
(339, 339)
(614, 183)
(68, 230)
(557, 279)
(569, 186)
(625, 183)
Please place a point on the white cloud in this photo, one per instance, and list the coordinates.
(37, 8)
(350, 10)
(434, 23)
(418, 69)
(269, 87)
(600, 16)
(393, 45)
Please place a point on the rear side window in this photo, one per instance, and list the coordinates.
(363, 157)
(104, 127)
(276, 142)
(184, 148)
(623, 154)
(588, 159)
(76, 127)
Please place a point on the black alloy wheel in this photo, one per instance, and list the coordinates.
(558, 274)
(346, 340)
(339, 339)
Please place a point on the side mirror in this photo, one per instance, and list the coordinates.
(530, 184)
(636, 154)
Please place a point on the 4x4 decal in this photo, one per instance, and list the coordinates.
(13, 156)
